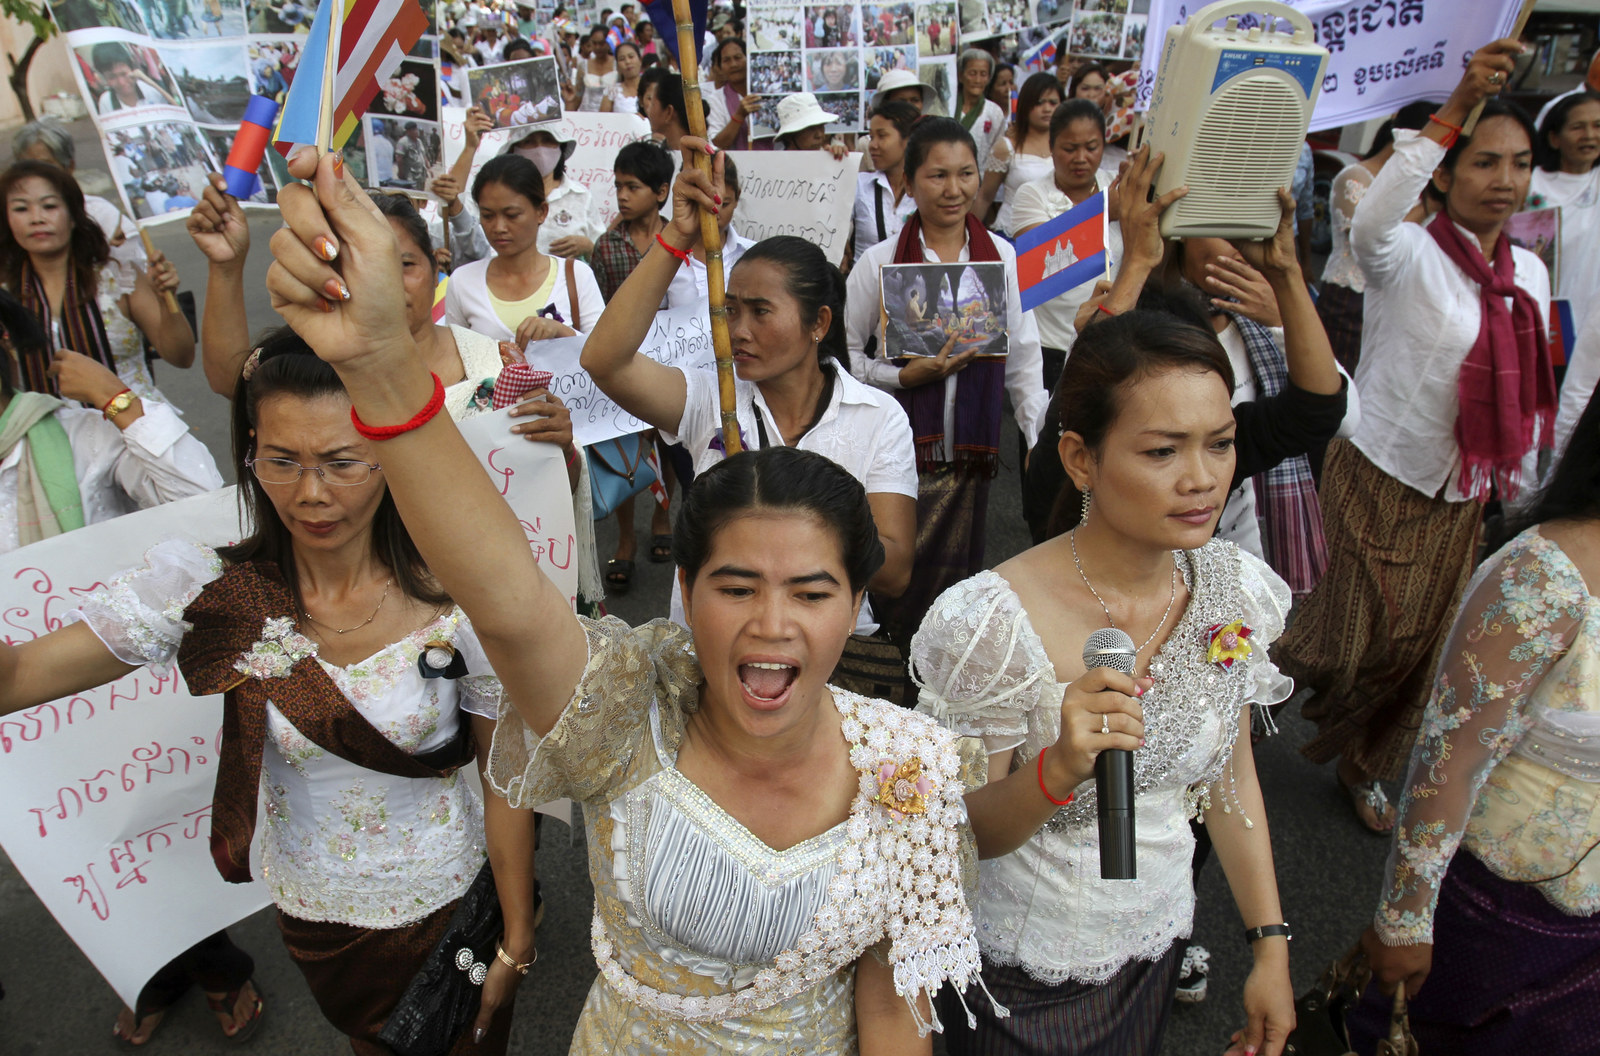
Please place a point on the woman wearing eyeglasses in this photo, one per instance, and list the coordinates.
(357, 690)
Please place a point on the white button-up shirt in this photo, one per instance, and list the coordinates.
(869, 186)
(863, 318)
(1422, 318)
(154, 460)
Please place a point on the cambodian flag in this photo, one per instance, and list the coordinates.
(1562, 332)
(660, 12)
(1062, 253)
(1041, 56)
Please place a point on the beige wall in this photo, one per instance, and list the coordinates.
(50, 72)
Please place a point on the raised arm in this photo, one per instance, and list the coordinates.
(168, 331)
(1514, 626)
(649, 390)
(70, 660)
(433, 475)
(219, 227)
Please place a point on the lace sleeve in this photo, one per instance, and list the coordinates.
(1519, 619)
(139, 615)
(480, 692)
(591, 749)
(979, 665)
(1266, 602)
(999, 157)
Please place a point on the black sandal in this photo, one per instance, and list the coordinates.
(660, 549)
(619, 575)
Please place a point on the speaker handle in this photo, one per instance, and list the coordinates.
(1211, 14)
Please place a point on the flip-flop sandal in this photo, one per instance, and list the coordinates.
(660, 549)
(1370, 794)
(138, 1018)
(619, 575)
(230, 1001)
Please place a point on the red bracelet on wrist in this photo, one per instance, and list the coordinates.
(681, 254)
(1058, 802)
(1453, 130)
(389, 432)
(107, 405)
(1101, 307)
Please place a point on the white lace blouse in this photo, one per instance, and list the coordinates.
(984, 673)
(339, 842)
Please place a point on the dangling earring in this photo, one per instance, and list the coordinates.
(1083, 516)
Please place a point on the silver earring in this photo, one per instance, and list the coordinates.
(1083, 516)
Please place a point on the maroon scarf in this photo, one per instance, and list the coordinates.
(82, 329)
(227, 618)
(1507, 387)
(980, 386)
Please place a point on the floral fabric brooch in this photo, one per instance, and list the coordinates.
(280, 648)
(1229, 642)
(903, 789)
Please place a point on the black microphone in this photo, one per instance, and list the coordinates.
(1113, 768)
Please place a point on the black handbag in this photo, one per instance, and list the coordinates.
(442, 1001)
(1320, 1013)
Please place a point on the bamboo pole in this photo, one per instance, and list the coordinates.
(710, 233)
(1516, 32)
(167, 297)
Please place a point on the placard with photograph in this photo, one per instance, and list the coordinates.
(925, 305)
(214, 80)
(120, 76)
(161, 167)
(1539, 232)
(402, 154)
(525, 92)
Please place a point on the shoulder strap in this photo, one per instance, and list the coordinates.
(572, 293)
(877, 194)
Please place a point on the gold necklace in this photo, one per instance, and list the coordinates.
(360, 625)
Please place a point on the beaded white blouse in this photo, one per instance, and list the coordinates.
(984, 673)
(339, 842)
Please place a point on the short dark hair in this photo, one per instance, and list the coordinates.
(929, 133)
(1492, 107)
(514, 172)
(901, 114)
(716, 53)
(1075, 110)
(781, 479)
(645, 162)
(669, 90)
(287, 366)
(813, 281)
(399, 208)
(108, 54)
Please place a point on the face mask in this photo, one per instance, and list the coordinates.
(543, 158)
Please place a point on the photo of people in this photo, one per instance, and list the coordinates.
(833, 26)
(848, 106)
(1096, 34)
(888, 25)
(402, 153)
(123, 76)
(161, 167)
(1049, 12)
(1133, 37)
(213, 81)
(1008, 16)
(221, 141)
(925, 304)
(525, 92)
(880, 61)
(194, 19)
(1115, 7)
(774, 73)
(272, 66)
(764, 122)
(936, 29)
(975, 20)
(940, 75)
(73, 15)
(290, 16)
(837, 70)
(775, 29)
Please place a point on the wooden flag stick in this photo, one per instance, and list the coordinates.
(330, 73)
(710, 233)
(167, 297)
(1516, 32)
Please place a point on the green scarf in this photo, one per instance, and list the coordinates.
(48, 500)
(971, 116)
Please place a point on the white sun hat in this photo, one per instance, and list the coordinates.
(800, 111)
(894, 80)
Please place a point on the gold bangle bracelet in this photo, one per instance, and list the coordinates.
(506, 959)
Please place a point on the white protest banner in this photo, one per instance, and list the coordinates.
(679, 337)
(598, 136)
(805, 193)
(1383, 54)
(107, 794)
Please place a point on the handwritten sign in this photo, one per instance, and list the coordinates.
(805, 193)
(598, 137)
(1383, 54)
(105, 796)
(680, 337)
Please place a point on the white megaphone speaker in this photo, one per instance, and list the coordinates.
(1231, 106)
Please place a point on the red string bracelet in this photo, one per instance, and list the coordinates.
(1102, 307)
(389, 432)
(107, 405)
(1058, 802)
(681, 254)
(1453, 130)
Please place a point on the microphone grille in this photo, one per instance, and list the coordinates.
(1109, 647)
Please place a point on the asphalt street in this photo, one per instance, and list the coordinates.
(55, 1002)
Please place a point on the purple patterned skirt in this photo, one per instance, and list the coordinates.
(1511, 974)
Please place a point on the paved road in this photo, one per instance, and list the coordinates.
(57, 1004)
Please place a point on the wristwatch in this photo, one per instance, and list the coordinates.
(1252, 934)
(118, 403)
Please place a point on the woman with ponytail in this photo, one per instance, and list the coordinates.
(786, 321)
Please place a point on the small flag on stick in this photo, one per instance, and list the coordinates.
(372, 38)
(1062, 253)
(666, 23)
